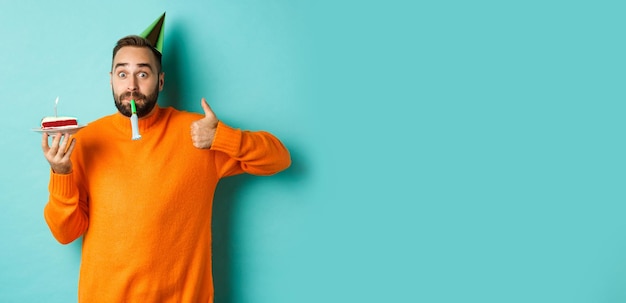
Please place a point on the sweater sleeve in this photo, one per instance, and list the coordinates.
(257, 153)
(65, 213)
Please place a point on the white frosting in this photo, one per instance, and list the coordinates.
(52, 119)
(55, 119)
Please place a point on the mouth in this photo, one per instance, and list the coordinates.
(127, 100)
(126, 97)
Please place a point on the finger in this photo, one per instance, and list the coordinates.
(64, 143)
(70, 149)
(194, 127)
(44, 142)
(208, 112)
(55, 143)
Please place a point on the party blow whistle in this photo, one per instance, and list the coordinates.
(134, 122)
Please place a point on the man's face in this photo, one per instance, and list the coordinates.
(134, 75)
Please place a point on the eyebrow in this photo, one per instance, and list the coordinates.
(138, 64)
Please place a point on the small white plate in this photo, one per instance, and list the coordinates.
(61, 129)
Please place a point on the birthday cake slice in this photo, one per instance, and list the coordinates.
(48, 122)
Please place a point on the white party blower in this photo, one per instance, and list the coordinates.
(134, 121)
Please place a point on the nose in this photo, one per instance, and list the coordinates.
(132, 84)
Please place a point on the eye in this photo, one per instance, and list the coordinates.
(143, 75)
(121, 74)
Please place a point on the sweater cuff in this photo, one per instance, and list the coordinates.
(62, 185)
(226, 139)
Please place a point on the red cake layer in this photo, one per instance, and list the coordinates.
(58, 122)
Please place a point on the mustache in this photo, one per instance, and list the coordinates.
(136, 95)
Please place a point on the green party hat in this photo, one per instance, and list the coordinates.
(154, 33)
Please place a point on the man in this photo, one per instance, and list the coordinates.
(144, 207)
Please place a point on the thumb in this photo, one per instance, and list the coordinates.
(208, 112)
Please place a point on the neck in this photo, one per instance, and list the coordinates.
(154, 110)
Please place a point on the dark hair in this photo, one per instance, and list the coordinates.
(138, 41)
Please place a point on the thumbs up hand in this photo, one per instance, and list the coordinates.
(203, 130)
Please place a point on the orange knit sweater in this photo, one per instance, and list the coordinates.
(144, 207)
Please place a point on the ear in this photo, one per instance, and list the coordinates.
(161, 81)
(111, 79)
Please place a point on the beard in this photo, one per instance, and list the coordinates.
(143, 103)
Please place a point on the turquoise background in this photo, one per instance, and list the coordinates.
(443, 151)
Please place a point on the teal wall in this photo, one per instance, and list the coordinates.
(443, 151)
